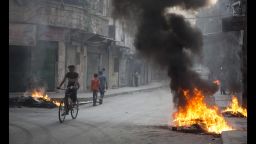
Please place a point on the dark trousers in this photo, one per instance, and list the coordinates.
(102, 91)
(95, 95)
(73, 96)
(222, 91)
(136, 81)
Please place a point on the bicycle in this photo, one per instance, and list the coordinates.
(73, 107)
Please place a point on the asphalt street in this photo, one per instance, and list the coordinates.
(139, 118)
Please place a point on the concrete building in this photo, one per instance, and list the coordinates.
(45, 36)
(126, 60)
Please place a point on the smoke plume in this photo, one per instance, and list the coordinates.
(168, 39)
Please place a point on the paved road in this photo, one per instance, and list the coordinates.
(139, 118)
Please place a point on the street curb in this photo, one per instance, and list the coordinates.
(234, 137)
(87, 100)
(136, 91)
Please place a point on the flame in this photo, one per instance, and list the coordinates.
(39, 94)
(234, 107)
(197, 112)
(217, 82)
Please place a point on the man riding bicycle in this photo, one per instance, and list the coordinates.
(72, 86)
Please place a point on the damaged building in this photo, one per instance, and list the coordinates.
(45, 36)
(223, 28)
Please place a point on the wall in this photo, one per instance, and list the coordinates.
(55, 14)
(123, 71)
(54, 21)
(61, 62)
(113, 75)
(220, 49)
(97, 58)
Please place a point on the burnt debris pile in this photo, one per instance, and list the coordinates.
(29, 101)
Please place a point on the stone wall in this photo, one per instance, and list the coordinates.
(55, 14)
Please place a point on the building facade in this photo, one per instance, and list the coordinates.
(45, 36)
(223, 31)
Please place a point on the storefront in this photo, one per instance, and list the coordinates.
(22, 39)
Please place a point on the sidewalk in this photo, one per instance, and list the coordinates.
(87, 96)
(239, 135)
(222, 101)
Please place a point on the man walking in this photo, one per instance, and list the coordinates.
(103, 86)
(95, 83)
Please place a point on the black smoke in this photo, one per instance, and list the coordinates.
(167, 39)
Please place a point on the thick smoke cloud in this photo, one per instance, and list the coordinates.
(167, 39)
(222, 57)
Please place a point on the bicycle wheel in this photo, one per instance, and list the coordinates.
(74, 110)
(61, 111)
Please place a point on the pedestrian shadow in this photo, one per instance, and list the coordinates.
(90, 105)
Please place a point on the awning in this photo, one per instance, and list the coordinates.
(99, 38)
(96, 39)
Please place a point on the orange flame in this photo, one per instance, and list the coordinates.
(39, 94)
(217, 82)
(196, 111)
(234, 107)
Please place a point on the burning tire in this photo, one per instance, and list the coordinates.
(61, 111)
(74, 110)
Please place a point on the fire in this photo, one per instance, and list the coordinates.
(39, 94)
(217, 82)
(196, 111)
(234, 107)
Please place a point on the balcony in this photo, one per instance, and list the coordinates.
(54, 13)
